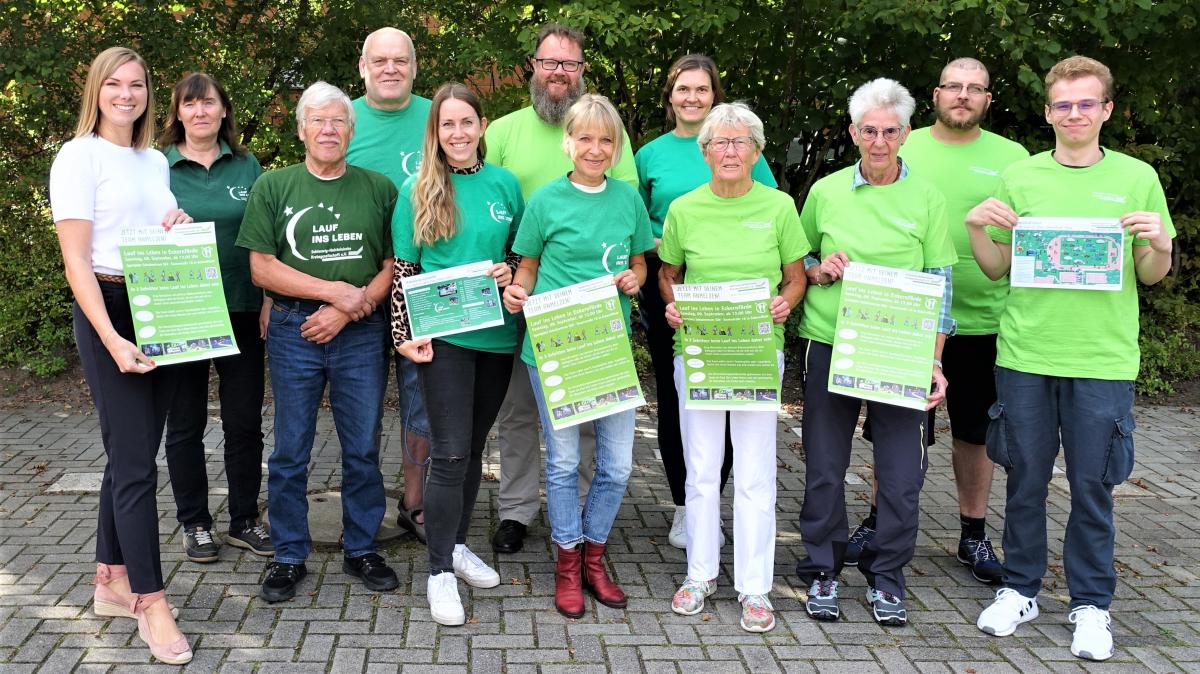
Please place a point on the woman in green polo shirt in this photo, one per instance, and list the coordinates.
(456, 210)
(211, 176)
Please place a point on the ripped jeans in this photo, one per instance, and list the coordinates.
(463, 391)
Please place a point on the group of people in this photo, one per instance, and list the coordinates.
(554, 195)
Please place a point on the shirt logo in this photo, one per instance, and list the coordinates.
(1109, 196)
(904, 224)
(615, 257)
(756, 224)
(323, 240)
(238, 192)
(410, 162)
(499, 212)
(983, 170)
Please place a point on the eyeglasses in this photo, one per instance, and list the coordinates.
(870, 133)
(740, 144)
(1086, 106)
(553, 64)
(320, 122)
(957, 87)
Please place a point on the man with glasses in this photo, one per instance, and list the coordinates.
(529, 142)
(1067, 358)
(964, 162)
(390, 133)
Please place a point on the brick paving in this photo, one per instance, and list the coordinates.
(334, 625)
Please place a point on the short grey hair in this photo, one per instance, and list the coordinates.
(732, 114)
(318, 95)
(882, 93)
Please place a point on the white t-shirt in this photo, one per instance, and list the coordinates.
(113, 186)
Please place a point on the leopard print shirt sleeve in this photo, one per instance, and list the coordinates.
(400, 330)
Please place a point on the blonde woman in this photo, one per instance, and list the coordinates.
(456, 210)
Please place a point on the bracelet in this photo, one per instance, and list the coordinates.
(937, 362)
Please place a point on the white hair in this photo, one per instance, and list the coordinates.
(732, 114)
(882, 93)
(388, 30)
(318, 95)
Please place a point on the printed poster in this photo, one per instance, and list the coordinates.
(174, 283)
(885, 335)
(452, 300)
(583, 354)
(1068, 253)
(728, 338)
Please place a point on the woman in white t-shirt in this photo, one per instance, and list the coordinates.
(105, 180)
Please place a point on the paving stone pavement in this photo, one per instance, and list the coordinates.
(334, 625)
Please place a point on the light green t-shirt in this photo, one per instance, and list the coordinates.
(578, 236)
(389, 141)
(966, 174)
(490, 208)
(1089, 334)
(334, 230)
(718, 239)
(670, 166)
(532, 149)
(900, 225)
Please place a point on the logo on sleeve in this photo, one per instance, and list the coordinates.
(312, 235)
(238, 192)
(1109, 196)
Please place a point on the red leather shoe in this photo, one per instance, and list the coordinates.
(568, 582)
(596, 580)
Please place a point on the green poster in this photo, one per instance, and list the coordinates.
(729, 359)
(174, 285)
(452, 300)
(1068, 253)
(885, 335)
(582, 350)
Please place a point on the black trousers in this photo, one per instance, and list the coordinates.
(241, 394)
(132, 409)
(463, 389)
(660, 339)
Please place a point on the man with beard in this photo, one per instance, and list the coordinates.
(529, 142)
(964, 162)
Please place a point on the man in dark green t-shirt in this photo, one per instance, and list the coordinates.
(319, 236)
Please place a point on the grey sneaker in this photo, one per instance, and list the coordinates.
(253, 538)
(199, 545)
(822, 601)
(887, 608)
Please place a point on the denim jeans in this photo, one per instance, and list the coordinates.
(1094, 418)
(353, 365)
(614, 463)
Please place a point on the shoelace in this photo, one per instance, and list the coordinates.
(289, 571)
(826, 587)
(982, 551)
(1009, 596)
(257, 530)
(693, 586)
(444, 583)
(889, 598)
(1087, 614)
(203, 537)
(472, 560)
(861, 534)
(757, 601)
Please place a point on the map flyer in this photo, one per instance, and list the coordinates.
(174, 285)
(729, 359)
(1068, 253)
(583, 354)
(885, 335)
(452, 300)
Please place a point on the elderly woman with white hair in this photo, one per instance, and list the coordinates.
(872, 212)
(729, 229)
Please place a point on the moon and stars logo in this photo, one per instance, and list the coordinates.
(499, 212)
(319, 233)
(410, 162)
(238, 192)
(615, 257)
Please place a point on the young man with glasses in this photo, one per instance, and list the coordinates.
(1067, 358)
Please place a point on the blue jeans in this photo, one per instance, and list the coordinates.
(614, 463)
(353, 364)
(1094, 418)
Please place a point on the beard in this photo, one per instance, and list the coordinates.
(550, 109)
(970, 122)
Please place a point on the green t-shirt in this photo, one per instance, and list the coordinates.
(578, 236)
(1089, 334)
(532, 149)
(490, 208)
(218, 194)
(966, 174)
(718, 239)
(670, 166)
(334, 230)
(389, 141)
(900, 225)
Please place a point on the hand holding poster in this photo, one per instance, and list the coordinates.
(174, 285)
(885, 335)
(452, 300)
(581, 347)
(1068, 253)
(728, 342)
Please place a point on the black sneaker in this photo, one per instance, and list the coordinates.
(859, 539)
(281, 581)
(372, 570)
(199, 545)
(253, 538)
(981, 557)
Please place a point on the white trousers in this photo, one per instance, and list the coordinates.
(754, 462)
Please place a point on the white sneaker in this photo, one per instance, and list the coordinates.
(469, 567)
(678, 535)
(1093, 633)
(1010, 609)
(444, 604)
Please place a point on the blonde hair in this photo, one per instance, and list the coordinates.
(1075, 67)
(435, 213)
(103, 66)
(594, 110)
